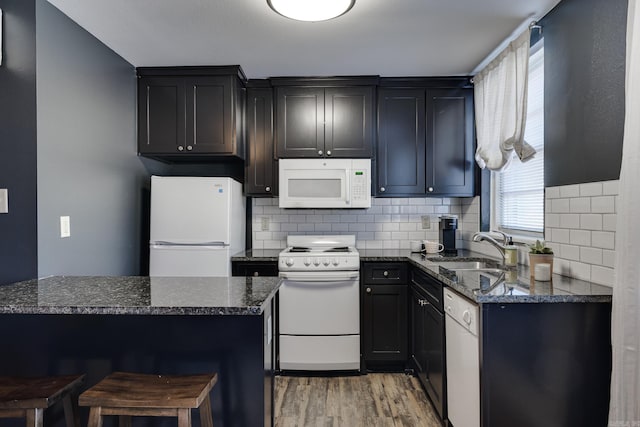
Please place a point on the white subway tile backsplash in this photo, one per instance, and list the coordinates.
(609, 222)
(569, 220)
(383, 235)
(591, 255)
(609, 258)
(391, 226)
(570, 252)
(580, 204)
(580, 237)
(322, 226)
(552, 192)
(610, 187)
(381, 201)
(391, 209)
(591, 221)
(399, 201)
(408, 226)
(580, 226)
(338, 227)
(560, 206)
(570, 191)
(399, 235)
(591, 189)
(357, 227)
(604, 239)
(603, 204)
(602, 275)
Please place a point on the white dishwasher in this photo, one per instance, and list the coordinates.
(463, 361)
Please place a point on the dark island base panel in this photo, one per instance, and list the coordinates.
(35, 345)
(546, 364)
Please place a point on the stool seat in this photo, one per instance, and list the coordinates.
(28, 397)
(129, 394)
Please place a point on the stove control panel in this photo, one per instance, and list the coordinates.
(318, 263)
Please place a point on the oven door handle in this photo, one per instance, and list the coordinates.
(324, 276)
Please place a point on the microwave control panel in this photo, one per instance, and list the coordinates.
(359, 185)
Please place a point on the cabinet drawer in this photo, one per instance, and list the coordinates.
(384, 273)
(260, 268)
(430, 287)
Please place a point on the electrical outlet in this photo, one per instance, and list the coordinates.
(426, 222)
(264, 223)
(4, 200)
(65, 226)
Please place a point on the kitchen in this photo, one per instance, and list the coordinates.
(86, 139)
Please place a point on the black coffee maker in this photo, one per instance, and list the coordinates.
(448, 227)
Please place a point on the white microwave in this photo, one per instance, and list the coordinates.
(324, 183)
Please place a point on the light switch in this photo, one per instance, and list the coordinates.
(4, 200)
(65, 226)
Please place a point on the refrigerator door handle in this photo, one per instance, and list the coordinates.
(165, 243)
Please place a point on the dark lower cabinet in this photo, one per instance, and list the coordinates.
(384, 315)
(254, 268)
(427, 338)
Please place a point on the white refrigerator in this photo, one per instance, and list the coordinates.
(197, 223)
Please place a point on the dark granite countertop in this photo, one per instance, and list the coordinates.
(481, 287)
(257, 255)
(139, 295)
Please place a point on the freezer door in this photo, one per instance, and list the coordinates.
(189, 261)
(190, 209)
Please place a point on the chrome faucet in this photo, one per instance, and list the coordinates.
(480, 236)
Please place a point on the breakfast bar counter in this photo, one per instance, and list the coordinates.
(167, 325)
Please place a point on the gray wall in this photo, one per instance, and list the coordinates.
(18, 232)
(87, 164)
(584, 90)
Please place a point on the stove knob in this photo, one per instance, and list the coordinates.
(335, 262)
(307, 262)
(289, 262)
(326, 262)
(316, 262)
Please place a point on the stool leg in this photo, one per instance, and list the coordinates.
(71, 412)
(206, 420)
(95, 417)
(124, 420)
(184, 417)
(34, 417)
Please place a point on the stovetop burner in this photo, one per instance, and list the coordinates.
(299, 249)
(339, 249)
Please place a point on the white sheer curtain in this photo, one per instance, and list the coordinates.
(624, 410)
(500, 92)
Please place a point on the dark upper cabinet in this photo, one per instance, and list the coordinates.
(313, 121)
(260, 167)
(190, 112)
(401, 141)
(384, 314)
(425, 142)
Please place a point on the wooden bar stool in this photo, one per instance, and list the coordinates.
(128, 394)
(29, 397)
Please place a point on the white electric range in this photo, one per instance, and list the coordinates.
(319, 304)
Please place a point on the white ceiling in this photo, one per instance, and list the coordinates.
(383, 37)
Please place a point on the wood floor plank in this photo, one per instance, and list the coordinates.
(379, 400)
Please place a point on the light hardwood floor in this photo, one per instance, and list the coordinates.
(372, 400)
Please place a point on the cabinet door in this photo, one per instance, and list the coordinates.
(449, 142)
(418, 334)
(349, 121)
(299, 122)
(385, 323)
(433, 347)
(260, 177)
(401, 142)
(209, 115)
(254, 268)
(161, 107)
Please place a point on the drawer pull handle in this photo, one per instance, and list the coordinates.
(385, 274)
(255, 274)
(368, 290)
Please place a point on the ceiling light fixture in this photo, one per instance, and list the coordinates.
(311, 10)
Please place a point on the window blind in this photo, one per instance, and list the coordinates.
(521, 185)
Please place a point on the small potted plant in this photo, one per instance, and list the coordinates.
(539, 253)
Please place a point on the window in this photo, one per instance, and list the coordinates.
(518, 191)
